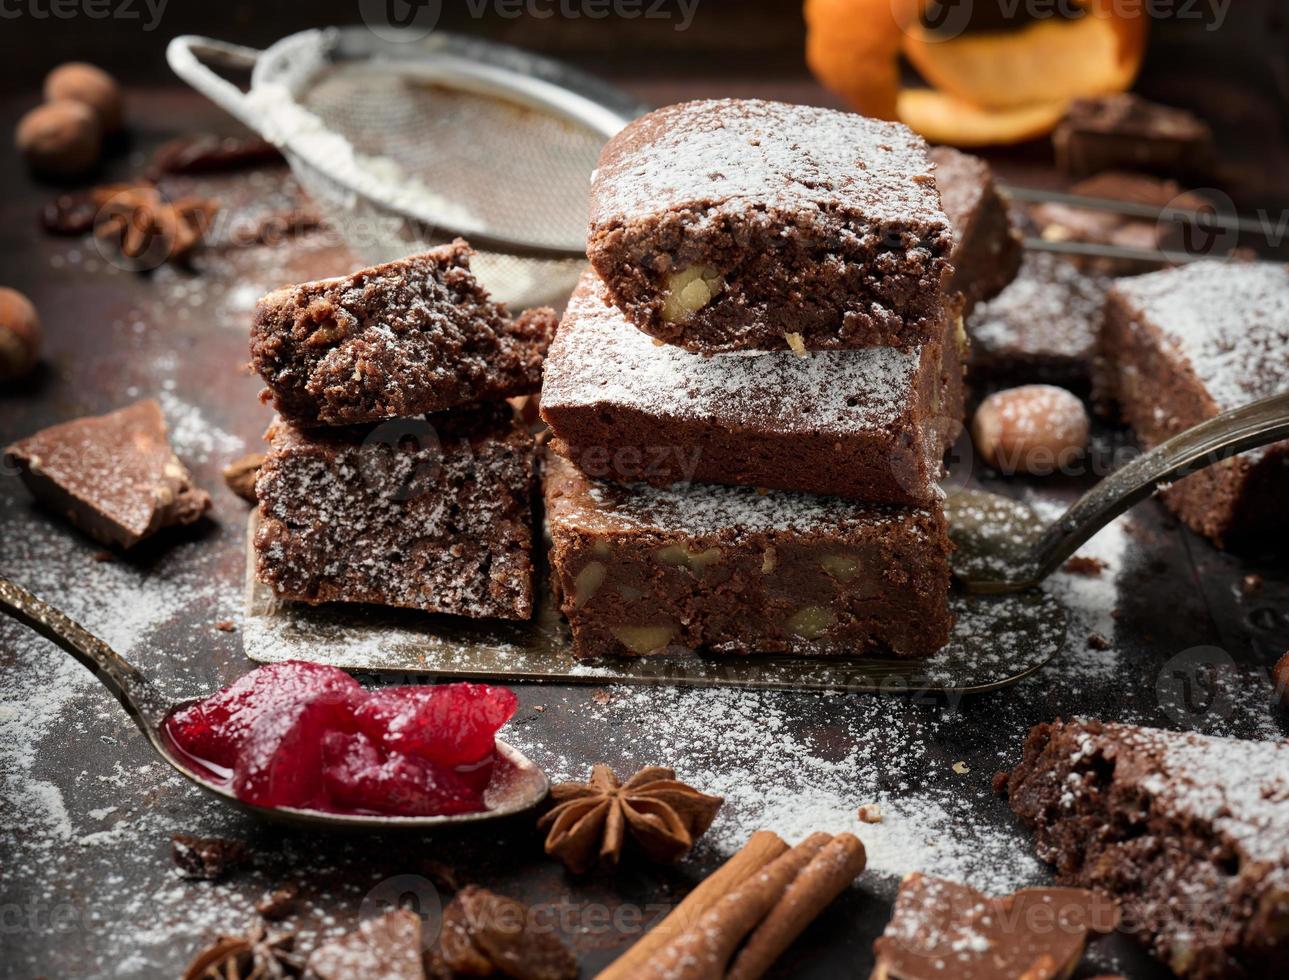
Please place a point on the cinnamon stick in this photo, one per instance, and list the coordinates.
(761, 848)
(703, 950)
(821, 881)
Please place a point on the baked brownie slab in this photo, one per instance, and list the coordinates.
(401, 339)
(986, 252)
(642, 570)
(114, 476)
(1125, 132)
(432, 513)
(749, 225)
(1185, 344)
(1189, 832)
(870, 424)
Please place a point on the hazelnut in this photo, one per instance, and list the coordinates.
(1036, 429)
(90, 86)
(60, 139)
(19, 335)
(1280, 678)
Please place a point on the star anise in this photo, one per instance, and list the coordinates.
(256, 955)
(146, 227)
(590, 821)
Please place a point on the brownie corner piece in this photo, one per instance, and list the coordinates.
(1190, 833)
(405, 338)
(432, 513)
(114, 476)
(642, 570)
(738, 224)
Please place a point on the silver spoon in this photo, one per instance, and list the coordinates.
(1000, 549)
(516, 785)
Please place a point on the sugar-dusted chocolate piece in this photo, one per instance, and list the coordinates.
(986, 252)
(1042, 327)
(114, 476)
(1190, 833)
(432, 513)
(870, 424)
(749, 225)
(401, 339)
(389, 946)
(1182, 345)
(642, 570)
(1125, 132)
(941, 928)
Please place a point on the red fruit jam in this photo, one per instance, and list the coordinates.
(301, 735)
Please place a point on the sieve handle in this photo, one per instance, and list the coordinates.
(188, 55)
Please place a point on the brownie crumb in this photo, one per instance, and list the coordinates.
(1280, 678)
(999, 783)
(1251, 584)
(208, 858)
(226, 626)
(240, 475)
(869, 813)
(103, 556)
(1098, 642)
(279, 903)
(1084, 565)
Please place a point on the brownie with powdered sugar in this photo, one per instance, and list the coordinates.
(751, 225)
(1190, 833)
(432, 513)
(396, 340)
(871, 425)
(729, 570)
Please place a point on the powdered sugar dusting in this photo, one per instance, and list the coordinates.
(600, 358)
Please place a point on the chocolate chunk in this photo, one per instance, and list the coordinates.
(1125, 132)
(485, 933)
(388, 947)
(208, 858)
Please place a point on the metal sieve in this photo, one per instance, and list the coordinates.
(408, 143)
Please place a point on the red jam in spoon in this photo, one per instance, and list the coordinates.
(298, 734)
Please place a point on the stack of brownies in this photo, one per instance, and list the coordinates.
(363, 496)
(752, 392)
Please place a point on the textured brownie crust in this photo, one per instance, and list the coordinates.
(1042, 327)
(401, 339)
(871, 425)
(986, 252)
(432, 514)
(729, 570)
(1189, 832)
(815, 223)
(114, 476)
(1183, 345)
(1125, 132)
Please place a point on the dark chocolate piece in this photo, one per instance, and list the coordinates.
(870, 425)
(749, 225)
(114, 476)
(1185, 344)
(986, 251)
(1125, 132)
(642, 570)
(208, 858)
(432, 513)
(394, 341)
(1190, 833)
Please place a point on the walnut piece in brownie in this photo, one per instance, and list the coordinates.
(737, 224)
(1042, 327)
(394, 341)
(1125, 132)
(941, 929)
(869, 424)
(986, 251)
(114, 476)
(1190, 833)
(1182, 345)
(641, 570)
(432, 513)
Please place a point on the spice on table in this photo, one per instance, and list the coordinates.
(143, 225)
(257, 953)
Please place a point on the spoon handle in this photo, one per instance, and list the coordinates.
(139, 698)
(1210, 442)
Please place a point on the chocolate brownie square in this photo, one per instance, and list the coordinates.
(1190, 833)
(432, 513)
(114, 476)
(1042, 327)
(870, 425)
(1125, 132)
(397, 340)
(1182, 345)
(986, 251)
(749, 225)
(642, 570)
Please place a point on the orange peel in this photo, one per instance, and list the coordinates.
(853, 47)
(943, 118)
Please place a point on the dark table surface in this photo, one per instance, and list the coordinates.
(87, 885)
